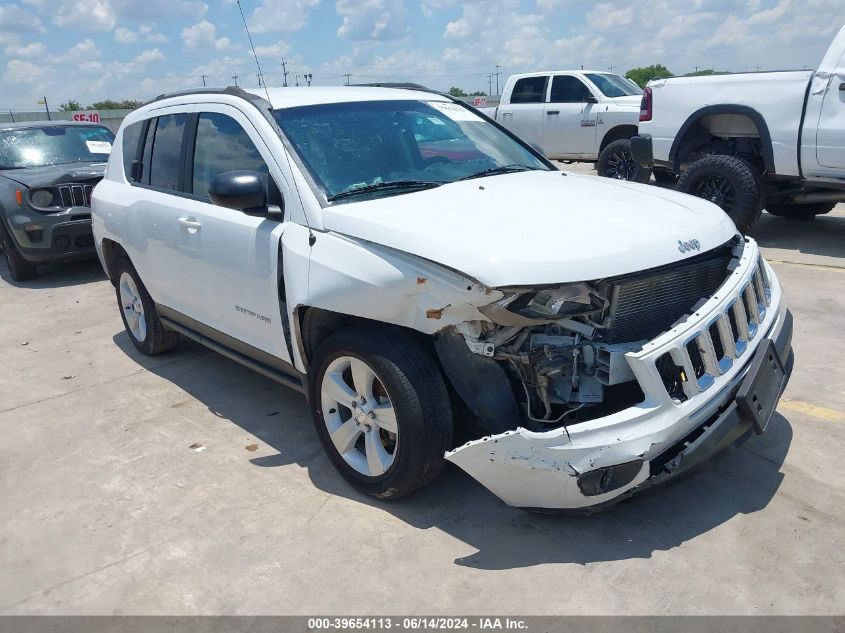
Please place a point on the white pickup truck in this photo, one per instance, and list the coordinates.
(575, 115)
(749, 140)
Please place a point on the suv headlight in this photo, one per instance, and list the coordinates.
(42, 198)
(545, 304)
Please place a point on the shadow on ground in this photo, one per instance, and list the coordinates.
(824, 235)
(57, 275)
(742, 482)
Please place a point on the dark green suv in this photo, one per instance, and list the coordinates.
(48, 170)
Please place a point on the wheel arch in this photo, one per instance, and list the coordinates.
(314, 325)
(617, 133)
(112, 252)
(677, 153)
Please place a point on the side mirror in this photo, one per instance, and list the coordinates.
(240, 190)
(591, 99)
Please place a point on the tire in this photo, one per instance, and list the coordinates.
(617, 161)
(139, 314)
(387, 461)
(729, 182)
(800, 211)
(19, 268)
(664, 176)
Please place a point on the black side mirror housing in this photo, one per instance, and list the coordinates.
(591, 99)
(239, 189)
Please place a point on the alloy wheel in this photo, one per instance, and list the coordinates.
(359, 416)
(133, 307)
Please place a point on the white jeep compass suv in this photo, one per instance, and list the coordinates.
(410, 265)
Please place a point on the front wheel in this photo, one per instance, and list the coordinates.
(617, 161)
(381, 410)
(19, 268)
(728, 182)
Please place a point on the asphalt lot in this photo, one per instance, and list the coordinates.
(106, 509)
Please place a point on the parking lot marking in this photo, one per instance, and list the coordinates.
(837, 269)
(823, 413)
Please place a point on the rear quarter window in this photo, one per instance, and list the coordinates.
(131, 138)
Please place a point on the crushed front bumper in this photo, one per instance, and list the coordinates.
(62, 236)
(596, 463)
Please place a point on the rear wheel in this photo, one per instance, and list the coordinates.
(800, 211)
(19, 268)
(729, 182)
(139, 314)
(617, 161)
(381, 410)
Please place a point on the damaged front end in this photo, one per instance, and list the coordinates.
(589, 390)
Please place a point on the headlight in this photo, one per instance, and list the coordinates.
(546, 304)
(42, 197)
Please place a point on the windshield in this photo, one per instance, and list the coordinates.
(54, 145)
(388, 147)
(614, 85)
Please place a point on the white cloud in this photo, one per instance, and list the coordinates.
(96, 15)
(273, 50)
(204, 35)
(35, 49)
(381, 20)
(281, 15)
(151, 55)
(15, 22)
(85, 50)
(125, 36)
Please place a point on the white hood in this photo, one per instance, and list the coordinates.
(532, 228)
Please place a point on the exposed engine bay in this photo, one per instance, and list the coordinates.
(555, 356)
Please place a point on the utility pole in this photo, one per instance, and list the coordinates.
(498, 72)
(610, 68)
(296, 78)
(203, 80)
(696, 68)
(347, 75)
(11, 114)
(489, 83)
(235, 77)
(308, 77)
(758, 68)
(284, 73)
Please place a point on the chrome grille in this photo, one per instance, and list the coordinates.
(75, 195)
(692, 366)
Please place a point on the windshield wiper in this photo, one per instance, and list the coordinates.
(395, 185)
(504, 169)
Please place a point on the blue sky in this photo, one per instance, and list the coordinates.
(94, 49)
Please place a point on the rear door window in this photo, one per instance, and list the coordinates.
(530, 90)
(167, 151)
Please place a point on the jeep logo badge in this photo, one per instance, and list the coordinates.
(686, 247)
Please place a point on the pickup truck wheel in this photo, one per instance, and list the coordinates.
(617, 161)
(381, 410)
(19, 268)
(139, 314)
(730, 183)
(800, 211)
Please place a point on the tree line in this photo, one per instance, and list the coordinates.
(108, 104)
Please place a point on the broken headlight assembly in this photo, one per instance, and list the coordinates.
(547, 304)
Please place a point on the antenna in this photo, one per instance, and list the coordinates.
(252, 46)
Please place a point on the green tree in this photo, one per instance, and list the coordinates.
(705, 72)
(643, 74)
(111, 104)
(457, 92)
(70, 106)
(477, 93)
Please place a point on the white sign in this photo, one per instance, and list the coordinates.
(480, 102)
(86, 116)
(99, 147)
(454, 111)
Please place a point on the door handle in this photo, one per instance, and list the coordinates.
(190, 223)
(507, 113)
(552, 112)
(842, 86)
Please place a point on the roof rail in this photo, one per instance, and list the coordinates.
(235, 91)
